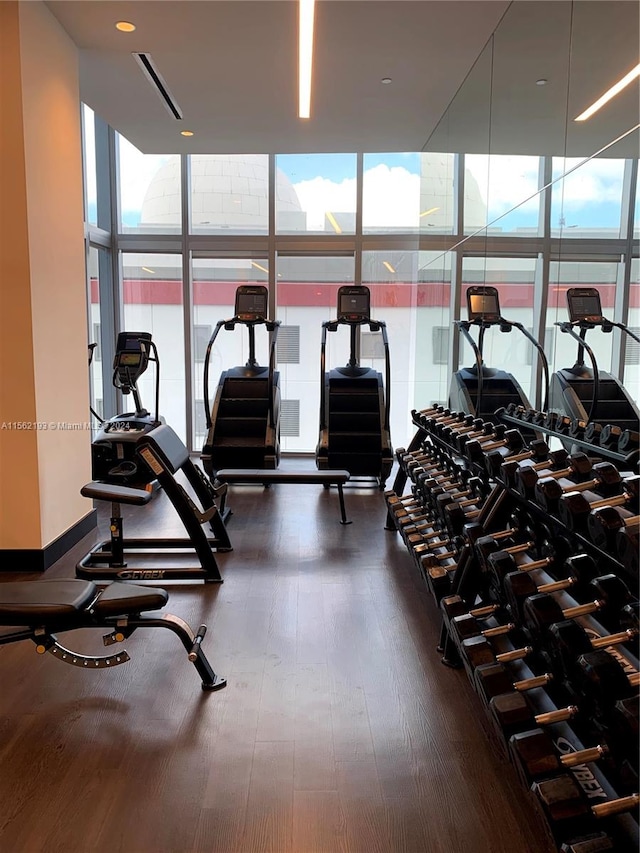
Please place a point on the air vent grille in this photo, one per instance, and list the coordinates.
(152, 74)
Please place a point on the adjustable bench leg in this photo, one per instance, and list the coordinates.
(343, 513)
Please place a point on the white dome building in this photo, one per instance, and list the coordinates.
(228, 193)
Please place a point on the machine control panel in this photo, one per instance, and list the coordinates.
(584, 305)
(354, 304)
(252, 303)
(483, 305)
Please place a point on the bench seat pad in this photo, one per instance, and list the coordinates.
(121, 598)
(44, 601)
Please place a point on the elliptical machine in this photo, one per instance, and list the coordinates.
(113, 450)
(482, 390)
(243, 425)
(354, 414)
(591, 397)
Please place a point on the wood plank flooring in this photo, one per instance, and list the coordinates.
(339, 731)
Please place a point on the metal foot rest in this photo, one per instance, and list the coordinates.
(267, 476)
(41, 607)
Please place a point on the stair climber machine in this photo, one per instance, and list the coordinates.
(354, 414)
(113, 451)
(482, 390)
(598, 405)
(243, 425)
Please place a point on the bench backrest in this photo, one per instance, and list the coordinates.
(166, 445)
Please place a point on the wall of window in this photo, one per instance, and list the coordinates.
(310, 238)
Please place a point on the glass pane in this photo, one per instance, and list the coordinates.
(511, 351)
(496, 183)
(408, 193)
(588, 202)
(632, 351)
(568, 274)
(89, 164)
(152, 302)
(150, 199)
(229, 193)
(316, 193)
(636, 212)
(94, 334)
(410, 293)
(215, 281)
(307, 296)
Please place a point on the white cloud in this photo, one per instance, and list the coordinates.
(136, 173)
(391, 197)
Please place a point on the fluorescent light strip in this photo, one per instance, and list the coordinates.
(259, 267)
(610, 93)
(305, 56)
(429, 212)
(333, 221)
(146, 269)
(388, 266)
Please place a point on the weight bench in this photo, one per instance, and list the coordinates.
(37, 609)
(267, 476)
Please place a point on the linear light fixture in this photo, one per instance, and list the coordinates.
(388, 266)
(152, 74)
(146, 269)
(610, 93)
(306, 10)
(429, 212)
(259, 267)
(334, 222)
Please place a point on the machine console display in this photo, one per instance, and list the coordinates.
(354, 304)
(252, 303)
(483, 304)
(584, 305)
(132, 356)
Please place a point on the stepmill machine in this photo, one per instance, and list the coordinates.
(113, 451)
(584, 393)
(243, 425)
(354, 414)
(481, 390)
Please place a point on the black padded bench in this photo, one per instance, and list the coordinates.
(37, 609)
(266, 477)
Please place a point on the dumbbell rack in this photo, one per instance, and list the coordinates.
(460, 493)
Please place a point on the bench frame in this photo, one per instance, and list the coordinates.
(41, 628)
(267, 477)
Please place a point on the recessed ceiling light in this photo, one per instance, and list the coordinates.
(542, 82)
(186, 133)
(125, 26)
(386, 80)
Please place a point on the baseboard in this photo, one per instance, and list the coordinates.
(40, 559)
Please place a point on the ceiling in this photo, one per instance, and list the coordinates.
(230, 66)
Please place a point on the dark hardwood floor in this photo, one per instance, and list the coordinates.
(339, 730)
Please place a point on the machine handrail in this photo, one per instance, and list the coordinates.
(205, 380)
(323, 348)
(543, 358)
(272, 326)
(463, 326)
(567, 328)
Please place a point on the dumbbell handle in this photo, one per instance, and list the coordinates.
(514, 654)
(617, 500)
(535, 564)
(580, 487)
(582, 609)
(518, 549)
(555, 475)
(531, 683)
(583, 756)
(558, 716)
(614, 807)
(614, 639)
(556, 586)
(498, 631)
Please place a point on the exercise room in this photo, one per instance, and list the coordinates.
(319, 426)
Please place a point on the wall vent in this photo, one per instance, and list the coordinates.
(152, 74)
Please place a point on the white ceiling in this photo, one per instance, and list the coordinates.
(231, 66)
